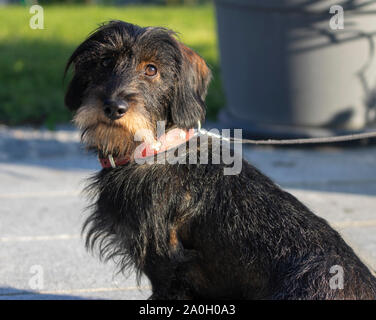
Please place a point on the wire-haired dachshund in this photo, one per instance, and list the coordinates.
(194, 231)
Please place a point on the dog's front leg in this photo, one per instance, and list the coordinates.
(167, 279)
(166, 272)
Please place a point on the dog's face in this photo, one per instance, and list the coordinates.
(126, 78)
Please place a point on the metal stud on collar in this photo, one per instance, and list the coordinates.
(157, 146)
(112, 161)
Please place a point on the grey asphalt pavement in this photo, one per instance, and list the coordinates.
(42, 173)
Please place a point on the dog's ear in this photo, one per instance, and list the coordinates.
(79, 81)
(73, 96)
(78, 84)
(189, 104)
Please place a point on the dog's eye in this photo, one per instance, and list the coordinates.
(150, 70)
(106, 62)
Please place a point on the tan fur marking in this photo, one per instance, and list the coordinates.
(174, 241)
(195, 60)
(134, 121)
(187, 197)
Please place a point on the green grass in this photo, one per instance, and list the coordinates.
(32, 61)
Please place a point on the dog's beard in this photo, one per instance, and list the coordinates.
(111, 137)
(108, 139)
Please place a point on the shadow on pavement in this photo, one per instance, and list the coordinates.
(9, 293)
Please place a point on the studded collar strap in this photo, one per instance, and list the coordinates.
(171, 139)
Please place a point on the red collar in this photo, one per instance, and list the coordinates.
(171, 139)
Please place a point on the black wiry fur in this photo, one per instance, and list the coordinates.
(193, 231)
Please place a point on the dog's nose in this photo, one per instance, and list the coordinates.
(115, 109)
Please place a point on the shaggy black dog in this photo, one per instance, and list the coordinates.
(192, 230)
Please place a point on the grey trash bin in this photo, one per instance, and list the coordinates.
(287, 73)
